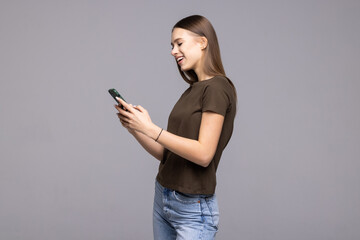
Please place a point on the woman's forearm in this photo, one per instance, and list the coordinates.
(200, 151)
(187, 148)
(152, 147)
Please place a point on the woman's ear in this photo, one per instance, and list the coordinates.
(203, 42)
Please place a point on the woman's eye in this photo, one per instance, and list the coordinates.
(179, 44)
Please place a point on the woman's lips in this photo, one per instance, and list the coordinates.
(180, 60)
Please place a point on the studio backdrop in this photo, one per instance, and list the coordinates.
(69, 170)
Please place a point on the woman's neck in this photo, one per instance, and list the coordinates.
(202, 76)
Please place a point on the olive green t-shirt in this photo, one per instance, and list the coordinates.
(177, 173)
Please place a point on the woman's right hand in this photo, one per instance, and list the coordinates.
(131, 131)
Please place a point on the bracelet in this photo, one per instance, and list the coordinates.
(159, 135)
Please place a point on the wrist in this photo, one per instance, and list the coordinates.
(154, 131)
(131, 131)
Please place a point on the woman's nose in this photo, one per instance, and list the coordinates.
(173, 51)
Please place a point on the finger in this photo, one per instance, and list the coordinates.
(141, 108)
(122, 118)
(119, 106)
(122, 111)
(125, 104)
(123, 123)
(137, 108)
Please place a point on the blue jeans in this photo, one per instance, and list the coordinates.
(184, 216)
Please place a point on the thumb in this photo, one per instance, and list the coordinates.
(140, 108)
(125, 104)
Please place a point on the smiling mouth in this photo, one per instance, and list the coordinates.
(180, 60)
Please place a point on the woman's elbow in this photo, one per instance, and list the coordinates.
(159, 156)
(205, 160)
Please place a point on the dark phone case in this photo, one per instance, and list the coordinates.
(115, 94)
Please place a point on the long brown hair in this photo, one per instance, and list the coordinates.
(212, 65)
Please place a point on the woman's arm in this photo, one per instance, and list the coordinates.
(152, 147)
(199, 151)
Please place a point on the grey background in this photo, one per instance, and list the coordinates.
(68, 170)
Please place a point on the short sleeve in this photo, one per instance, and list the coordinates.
(216, 97)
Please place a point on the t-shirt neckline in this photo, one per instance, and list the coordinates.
(199, 82)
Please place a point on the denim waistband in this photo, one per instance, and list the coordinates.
(164, 189)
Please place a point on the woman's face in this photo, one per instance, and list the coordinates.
(187, 49)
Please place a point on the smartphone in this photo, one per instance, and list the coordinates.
(115, 94)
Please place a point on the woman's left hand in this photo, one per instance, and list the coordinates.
(136, 117)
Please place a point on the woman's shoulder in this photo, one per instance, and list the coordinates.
(220, 82)
(216, 80)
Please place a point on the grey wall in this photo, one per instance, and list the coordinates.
(68, 170)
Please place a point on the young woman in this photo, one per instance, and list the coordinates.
(199, 128)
